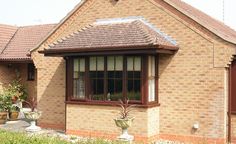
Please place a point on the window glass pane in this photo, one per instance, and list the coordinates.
(130, 63)
(130, 86)
(111, 74)
(136, 86)
(151, 65)
(119, 63)
(74, 89)
(130, 74)
(134, 78)
(110, 63)
(137, 63)
(98, 89)
(118, 74)
(118, 84)
(79, 87)
(100, 63)
(111, 86)
(82, 65)
(137, 74)
(76, 74)
(92, 63)
(151, 90)
(100, 74)
(115, 81)
(100, 86)
(76, 65)
(92, 74)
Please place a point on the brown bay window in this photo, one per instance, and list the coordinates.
(107, 79)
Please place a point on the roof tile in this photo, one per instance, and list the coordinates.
(126, 34)
(213, 25)
(24, 39)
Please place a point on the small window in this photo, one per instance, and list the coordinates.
(31, 72)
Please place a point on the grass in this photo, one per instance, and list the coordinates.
(22, 138)
(7, 137)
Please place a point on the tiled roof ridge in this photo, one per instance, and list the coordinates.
(9, 42)
(8, 25)
(69, 35)
(144, 30)
(36, 25)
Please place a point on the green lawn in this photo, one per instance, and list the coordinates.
(22, 138)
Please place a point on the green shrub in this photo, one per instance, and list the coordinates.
(21, 138)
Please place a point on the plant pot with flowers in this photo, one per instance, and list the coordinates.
(5, 104)
(14, 112)
(16, 90)
(33, 115)
(124, 121)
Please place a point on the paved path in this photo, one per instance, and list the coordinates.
(16, 126)
(20, 125)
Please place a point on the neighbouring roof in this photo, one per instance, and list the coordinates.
(15, 42)
(6, 33)
(114, 35)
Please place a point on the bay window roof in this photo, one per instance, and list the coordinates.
(118, 36)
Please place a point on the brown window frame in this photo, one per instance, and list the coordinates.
(87, 101)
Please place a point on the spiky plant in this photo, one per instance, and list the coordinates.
(32, 103)
(126, 108)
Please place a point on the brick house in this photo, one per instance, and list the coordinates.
(175, 62)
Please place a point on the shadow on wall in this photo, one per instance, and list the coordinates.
(51, 94)
(164, 61)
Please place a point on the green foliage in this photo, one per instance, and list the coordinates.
(16, 90)
(22, 138)
(5, 102)
(99, 141)
(14, 108)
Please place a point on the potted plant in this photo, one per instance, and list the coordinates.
(14, 112)
(5, 104)
(32, 115)
(16, 90)
(124, 121)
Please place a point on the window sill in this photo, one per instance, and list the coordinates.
(233, 113)
(111, 104)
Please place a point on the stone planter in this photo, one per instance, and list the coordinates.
(124, 124)
(32, 117)
(3, 117)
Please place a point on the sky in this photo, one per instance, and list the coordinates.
(30, 12)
